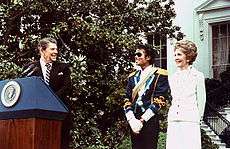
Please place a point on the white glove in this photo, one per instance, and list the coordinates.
(148, 114)
(135, 124)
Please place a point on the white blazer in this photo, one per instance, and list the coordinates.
(188, 95)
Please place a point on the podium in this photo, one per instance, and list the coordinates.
(31, 115)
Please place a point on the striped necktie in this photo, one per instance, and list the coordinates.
(47, 76)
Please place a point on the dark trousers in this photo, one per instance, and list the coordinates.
(148, 136)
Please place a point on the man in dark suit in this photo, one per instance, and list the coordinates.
(145, 94)
(56, 75)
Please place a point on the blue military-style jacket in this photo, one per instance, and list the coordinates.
(156, 87)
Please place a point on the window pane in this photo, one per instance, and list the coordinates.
(229, 44)
(150, 39)
(157, 55)
(215, 31)
(229, 29)
(157, 62)
(223, 44)
(215, 51)
(164, 63)
(228, 51)
(163, 41)
(220, 48)
(161, 56)
(163, 51)
(223, 29)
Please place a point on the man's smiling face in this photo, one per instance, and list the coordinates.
(50, 53)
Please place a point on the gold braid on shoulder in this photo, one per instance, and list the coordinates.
(162, 72)
(160, 101)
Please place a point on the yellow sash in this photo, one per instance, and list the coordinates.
(141, 83)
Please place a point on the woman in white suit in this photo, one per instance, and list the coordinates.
(188, 100)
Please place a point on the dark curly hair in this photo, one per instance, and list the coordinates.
(149, 51)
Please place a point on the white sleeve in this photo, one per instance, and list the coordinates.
(148, 114)
(201, 94)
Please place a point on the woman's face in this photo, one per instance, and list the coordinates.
(180, 59)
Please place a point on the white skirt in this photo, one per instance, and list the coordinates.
(183, 135)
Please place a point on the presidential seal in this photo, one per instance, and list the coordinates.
(10, 93)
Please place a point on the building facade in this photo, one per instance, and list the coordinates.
(207, 23)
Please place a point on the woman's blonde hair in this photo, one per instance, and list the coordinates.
(188, 48)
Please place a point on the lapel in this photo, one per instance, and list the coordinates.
(53, 71)
(137, 77)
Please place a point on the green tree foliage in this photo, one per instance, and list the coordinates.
(97, 38)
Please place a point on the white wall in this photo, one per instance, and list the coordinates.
(188, 21)
(195, 18)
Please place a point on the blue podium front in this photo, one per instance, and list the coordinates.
(35, 100)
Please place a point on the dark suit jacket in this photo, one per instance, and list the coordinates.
(60, 80)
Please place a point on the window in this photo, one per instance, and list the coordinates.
(161, 56)
(220, 48)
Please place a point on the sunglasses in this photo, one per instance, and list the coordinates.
(138, 54)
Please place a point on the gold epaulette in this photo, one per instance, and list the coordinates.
(132, 74)
(162, 71)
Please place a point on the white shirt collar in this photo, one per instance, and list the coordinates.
(190, 70)
(148, 68)
(43, 63)
(146, 71)
(184, 70)
(43, 67)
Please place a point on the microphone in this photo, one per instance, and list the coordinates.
(31, 72)
(27, 70)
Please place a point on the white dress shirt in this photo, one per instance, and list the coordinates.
(44, 68)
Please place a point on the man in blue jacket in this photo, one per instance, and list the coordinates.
(146, 93)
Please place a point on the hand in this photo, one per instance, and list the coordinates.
(135, 124)
(142, 120)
